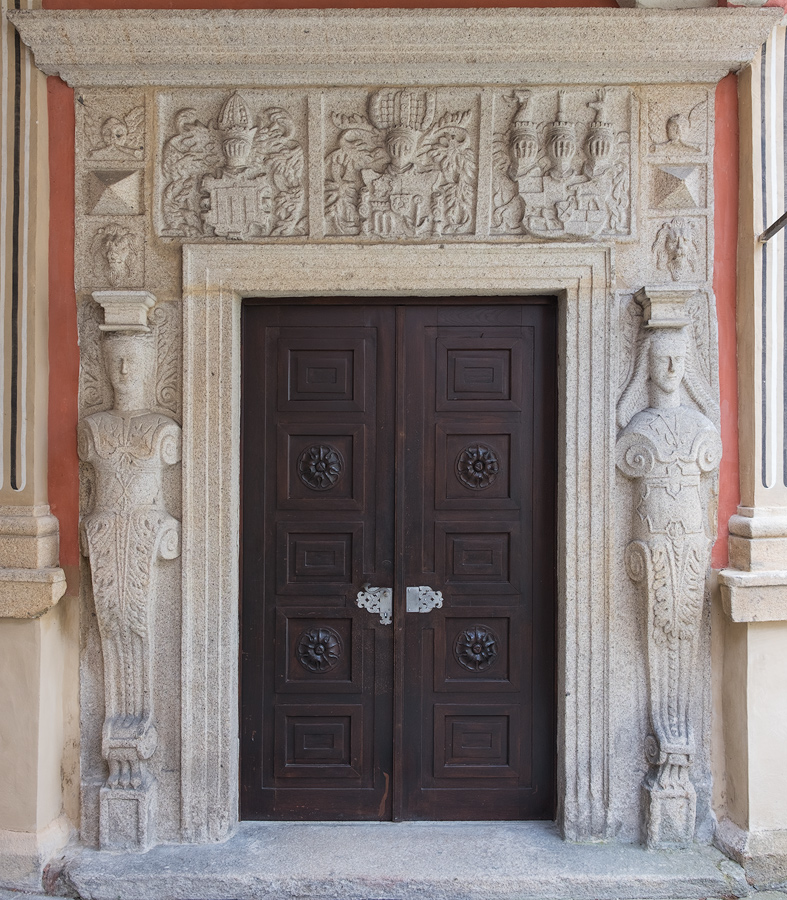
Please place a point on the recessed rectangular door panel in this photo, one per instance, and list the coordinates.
(478, 522)
(317, 673)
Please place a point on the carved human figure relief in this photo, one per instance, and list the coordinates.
(561, 178)
(238, 177)
(402, 170)
(116, 138)
(668, 447)
(676, 249)
(124, 534)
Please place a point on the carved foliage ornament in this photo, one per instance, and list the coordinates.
(405, 169)
(477, 467)
(320, 467)
(238, 176)
(562, 178)
(476, 648)
(667, 449)
(319, 649)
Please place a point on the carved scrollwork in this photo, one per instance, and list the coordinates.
(237, 176)
(476, 648)
(401, 171)
(319, 649)
(477, 466)
(320, 467)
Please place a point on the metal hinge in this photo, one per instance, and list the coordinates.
(421, 599)
(377, 600)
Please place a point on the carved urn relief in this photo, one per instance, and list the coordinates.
(125, 532)
(669, 447)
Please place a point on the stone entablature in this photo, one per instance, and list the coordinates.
(569, 153)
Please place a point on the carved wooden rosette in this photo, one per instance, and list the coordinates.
(667, 449)
(125, 533)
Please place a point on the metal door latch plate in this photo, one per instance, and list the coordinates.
(377, 600)
(422, 598)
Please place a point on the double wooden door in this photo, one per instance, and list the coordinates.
(398, 561)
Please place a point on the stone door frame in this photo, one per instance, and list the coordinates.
(215, 280)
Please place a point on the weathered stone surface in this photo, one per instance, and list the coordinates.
(408, 861)
(502, 46)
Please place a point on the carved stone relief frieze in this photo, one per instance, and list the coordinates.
(669, 446)
(679, 193)
(562, 164)
(124, 531)
(232, 166)
(404, 164)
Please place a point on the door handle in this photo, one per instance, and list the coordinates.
(376, 600)
(422, 599)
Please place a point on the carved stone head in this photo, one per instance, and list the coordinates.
(115, 244)
(129, 361)
(667, 365)
(676, 248)
(114, 133)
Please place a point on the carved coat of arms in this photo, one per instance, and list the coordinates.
(401, 172)
(561, 179)
(233, 178)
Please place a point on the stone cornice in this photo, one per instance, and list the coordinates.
(427, 46)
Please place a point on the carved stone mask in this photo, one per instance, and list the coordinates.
(129, 360)
(667, 360)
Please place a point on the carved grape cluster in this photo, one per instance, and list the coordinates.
(320, 467)
(476, 648)
(319, 649)
(477, 466)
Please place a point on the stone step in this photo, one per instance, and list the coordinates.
(404, 861)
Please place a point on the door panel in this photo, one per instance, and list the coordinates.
(317, 469)
(459, 401)
(478, 739)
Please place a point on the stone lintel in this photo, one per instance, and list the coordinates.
(384, 46)
(29, 593)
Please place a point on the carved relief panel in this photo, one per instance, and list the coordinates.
(232, 165)
(562, 163)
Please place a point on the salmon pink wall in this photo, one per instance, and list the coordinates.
(64, 361)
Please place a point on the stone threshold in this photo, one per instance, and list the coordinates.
(403, 861)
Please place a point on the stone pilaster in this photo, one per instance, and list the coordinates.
(32, 631)
(753, 829)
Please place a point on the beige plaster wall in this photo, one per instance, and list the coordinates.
(37, 701)
(767, 720)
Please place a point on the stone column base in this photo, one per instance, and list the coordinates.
(24, 854)
(763, 854)
(670, 816)
(127, 818)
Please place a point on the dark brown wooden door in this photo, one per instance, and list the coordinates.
(408, 446)
(478, 525)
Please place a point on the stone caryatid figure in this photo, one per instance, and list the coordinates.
(125, 533)
(668, 448)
